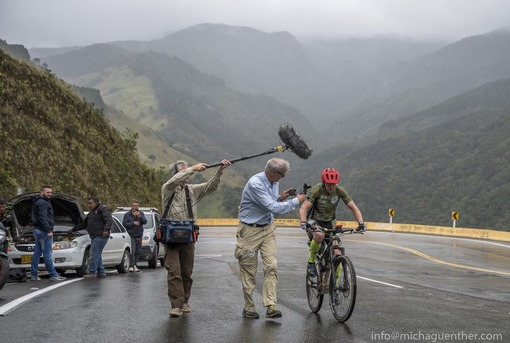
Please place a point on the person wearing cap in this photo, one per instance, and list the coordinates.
(180, 258)
(320, 206)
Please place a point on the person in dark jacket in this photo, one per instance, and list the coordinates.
(134, 221)
(7, 223)
(44, 220)
(98, 224)
(15, 274)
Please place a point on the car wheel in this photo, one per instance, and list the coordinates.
(153, 262)
(84, 265)
(124, 263)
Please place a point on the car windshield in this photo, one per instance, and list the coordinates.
(148, 216)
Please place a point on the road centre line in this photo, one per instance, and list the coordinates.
(482, 241)
(20, 301)
(433, 259)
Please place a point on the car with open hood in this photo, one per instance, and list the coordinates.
(70, 251)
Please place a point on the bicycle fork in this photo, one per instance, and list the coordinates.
(337, 252)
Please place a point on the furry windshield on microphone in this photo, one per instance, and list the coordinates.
(293, 141)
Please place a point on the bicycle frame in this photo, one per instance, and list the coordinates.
(326, 254)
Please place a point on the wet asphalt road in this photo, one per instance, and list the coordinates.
(411, 288)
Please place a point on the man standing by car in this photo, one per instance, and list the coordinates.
(134, 221)
(98, 224)
(44, 220)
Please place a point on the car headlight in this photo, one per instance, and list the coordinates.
(65, 245)
(145, 240)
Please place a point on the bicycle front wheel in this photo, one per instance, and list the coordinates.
(313, 292)
(342, 288)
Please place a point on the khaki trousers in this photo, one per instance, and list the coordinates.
(179, 260)
(251, 240)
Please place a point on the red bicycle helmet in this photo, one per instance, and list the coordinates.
(330, 175)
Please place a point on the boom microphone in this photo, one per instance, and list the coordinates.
(289, 137)
(293, 141)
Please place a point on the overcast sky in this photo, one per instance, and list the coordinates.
(58, 23)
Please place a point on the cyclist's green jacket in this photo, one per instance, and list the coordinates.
(324, 204)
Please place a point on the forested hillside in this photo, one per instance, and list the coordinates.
(409, 86)
(453, 157)
(51, 136)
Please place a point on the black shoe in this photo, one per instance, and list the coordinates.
(273, 312)
(312, 270)
(250, 314)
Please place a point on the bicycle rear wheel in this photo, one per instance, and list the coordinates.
(342, 288)
(313, 293)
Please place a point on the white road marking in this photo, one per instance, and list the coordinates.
(15, 303)
(383, 283)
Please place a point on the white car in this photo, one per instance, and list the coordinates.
(70, 251)
(151, 251)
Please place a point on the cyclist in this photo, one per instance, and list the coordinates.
(320, 205)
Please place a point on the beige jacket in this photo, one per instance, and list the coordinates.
(178, 209)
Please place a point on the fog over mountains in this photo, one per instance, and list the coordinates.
(364, 82)
(219, 91)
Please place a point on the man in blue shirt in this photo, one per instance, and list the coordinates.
(260, 201)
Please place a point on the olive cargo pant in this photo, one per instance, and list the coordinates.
(251, 240)
(179, 260)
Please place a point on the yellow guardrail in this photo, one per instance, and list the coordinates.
(391, 227)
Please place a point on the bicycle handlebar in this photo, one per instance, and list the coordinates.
(336, 230)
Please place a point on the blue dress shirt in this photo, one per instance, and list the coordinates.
(259, 201)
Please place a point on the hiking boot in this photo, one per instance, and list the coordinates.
(57, 278)
(250, 314)
(273, 312)
(186, 308)
(312, 269)
(175, 312)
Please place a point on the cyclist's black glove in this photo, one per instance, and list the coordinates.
(362, 227)
(305, 225)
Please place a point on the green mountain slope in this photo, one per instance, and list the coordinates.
(411, 86)
(51, 136)
(453, 157)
